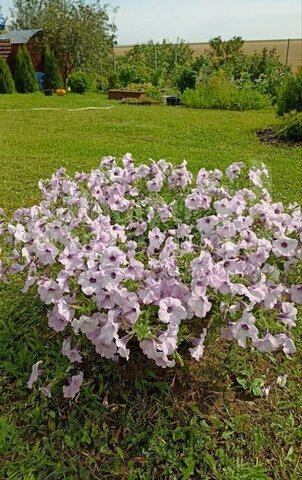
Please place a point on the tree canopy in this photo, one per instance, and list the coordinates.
(81, 35)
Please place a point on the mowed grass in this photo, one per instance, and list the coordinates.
(202, 421)
(35, 143)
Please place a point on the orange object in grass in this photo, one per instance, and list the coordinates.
(60, 92)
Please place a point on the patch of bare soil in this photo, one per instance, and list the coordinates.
(268, 136)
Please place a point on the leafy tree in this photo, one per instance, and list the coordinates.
(25, 76)
(225, 48)
(52, 75)
(154, 62)
(81, 35)
(6, 79)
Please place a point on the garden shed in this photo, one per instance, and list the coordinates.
(11, 41)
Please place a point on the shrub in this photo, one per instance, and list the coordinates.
(290, 97)
(185, 78)
(79, 82)
(6, 80)
(102, 83)
(290, 128)
(52, 75)
(120, 267)
(220, 93)
(25, 76)
(132, 74)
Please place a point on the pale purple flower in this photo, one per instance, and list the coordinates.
(165, 211)
(156, 238)
(121, 344)
(167, 341)
(183, 230)
(296, 293)
(180, 177)
(135, 269)
(71, 257)
(46, 252)
(206, 224)
(156, 184)
(241, 330)
(56, 321)
(198, 349)
(31, 280)
(113, 257)
(199, 304)
(270, 343)
(36, 372)
(18, 232)
(150, 349)
(284, 247)
(86, 324)
(57, 231)
(71, 353)
(104, 298)
(288, 315)
(255, 177)
(196, 201)
(46, 391)
(130, 310)
(110, 277)
(75, 382)
(171, 310)
(234, 170)
(49, 291)
(118, 232)
(88, 281)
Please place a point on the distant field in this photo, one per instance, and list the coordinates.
(289, 51)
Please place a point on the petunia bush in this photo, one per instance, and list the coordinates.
(149, 255)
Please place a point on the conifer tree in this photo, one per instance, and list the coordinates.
(52, 75)
(25, 76)
(6, 79)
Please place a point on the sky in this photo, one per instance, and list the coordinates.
(138, 21)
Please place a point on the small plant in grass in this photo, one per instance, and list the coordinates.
(25, 76)
(122, 266)
(79, 82)
(6, 80)
(52, 75)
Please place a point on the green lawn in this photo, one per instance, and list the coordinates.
(135, 421)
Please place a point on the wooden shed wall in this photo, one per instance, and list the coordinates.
(35, 50)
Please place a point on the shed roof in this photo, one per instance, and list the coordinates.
(19, 36)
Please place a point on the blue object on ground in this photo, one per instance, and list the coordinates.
(40, 78)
